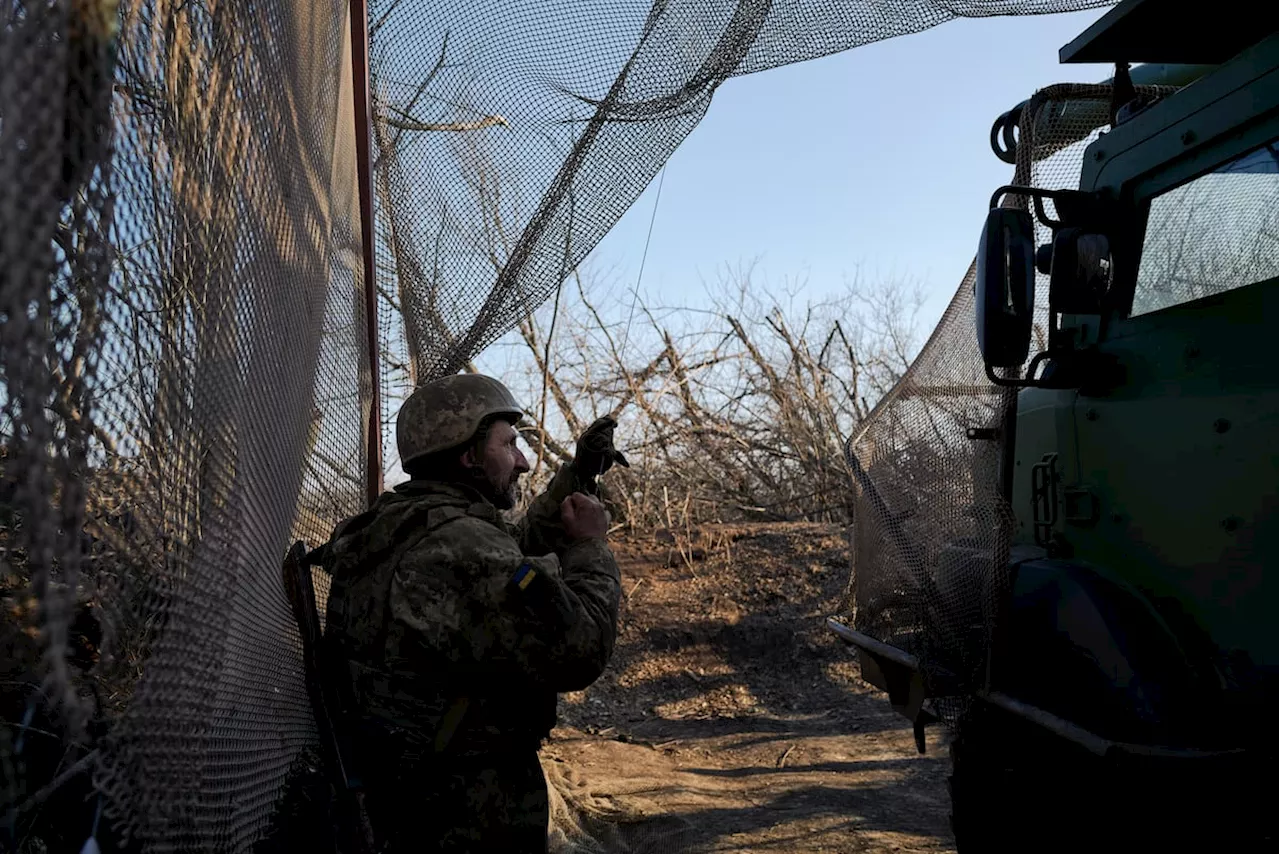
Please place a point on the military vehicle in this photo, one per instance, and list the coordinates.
(1107, 658)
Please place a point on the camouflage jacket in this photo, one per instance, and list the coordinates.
(456, 629)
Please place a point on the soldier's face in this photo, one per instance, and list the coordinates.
(503, 463)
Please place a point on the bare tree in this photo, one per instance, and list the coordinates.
(735, 411)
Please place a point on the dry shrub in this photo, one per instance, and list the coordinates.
(736, 411)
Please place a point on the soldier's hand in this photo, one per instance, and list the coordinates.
(595, 453)
(584, 517)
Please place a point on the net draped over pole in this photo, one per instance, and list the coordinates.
(186, 328)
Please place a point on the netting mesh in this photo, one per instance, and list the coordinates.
(182, 366)
(182, 331)
(933, 530)
(512, 136)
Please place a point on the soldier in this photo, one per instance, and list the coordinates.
(457, 629)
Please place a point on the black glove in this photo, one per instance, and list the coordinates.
(595, 453)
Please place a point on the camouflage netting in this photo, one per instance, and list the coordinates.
(932, 530)
(182, 331)
(511, 136)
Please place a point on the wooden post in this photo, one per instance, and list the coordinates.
(364, 128)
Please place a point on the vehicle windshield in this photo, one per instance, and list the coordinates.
(1212, 234)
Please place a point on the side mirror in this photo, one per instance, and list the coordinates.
(1005, 287)
(1079, 272)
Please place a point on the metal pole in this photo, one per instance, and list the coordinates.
(360, 93)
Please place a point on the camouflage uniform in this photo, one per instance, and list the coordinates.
(457, 630)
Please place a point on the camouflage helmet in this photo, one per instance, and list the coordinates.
(446, 413)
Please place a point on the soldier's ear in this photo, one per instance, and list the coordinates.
(469, 458)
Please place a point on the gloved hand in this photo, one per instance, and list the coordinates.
(584, 517)
(595, 453)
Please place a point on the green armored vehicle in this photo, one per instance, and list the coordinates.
(1066, 544)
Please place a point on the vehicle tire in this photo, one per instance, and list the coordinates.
(1015, 789)
(980, 815)
(1012, 794)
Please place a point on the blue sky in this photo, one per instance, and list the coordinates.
(874, 160)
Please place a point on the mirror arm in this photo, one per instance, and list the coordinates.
(1037, 196)
(1029, 381)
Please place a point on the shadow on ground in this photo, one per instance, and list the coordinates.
(731, 719)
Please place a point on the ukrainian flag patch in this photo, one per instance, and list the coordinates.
(524, 576)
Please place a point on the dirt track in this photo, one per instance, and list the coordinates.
(731, 720)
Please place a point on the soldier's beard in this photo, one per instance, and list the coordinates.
(505, 498)
(509, 498)
(501, 491)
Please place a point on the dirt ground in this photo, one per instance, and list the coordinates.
(731, 719)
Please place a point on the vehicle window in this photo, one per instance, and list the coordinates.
(1212, 234)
